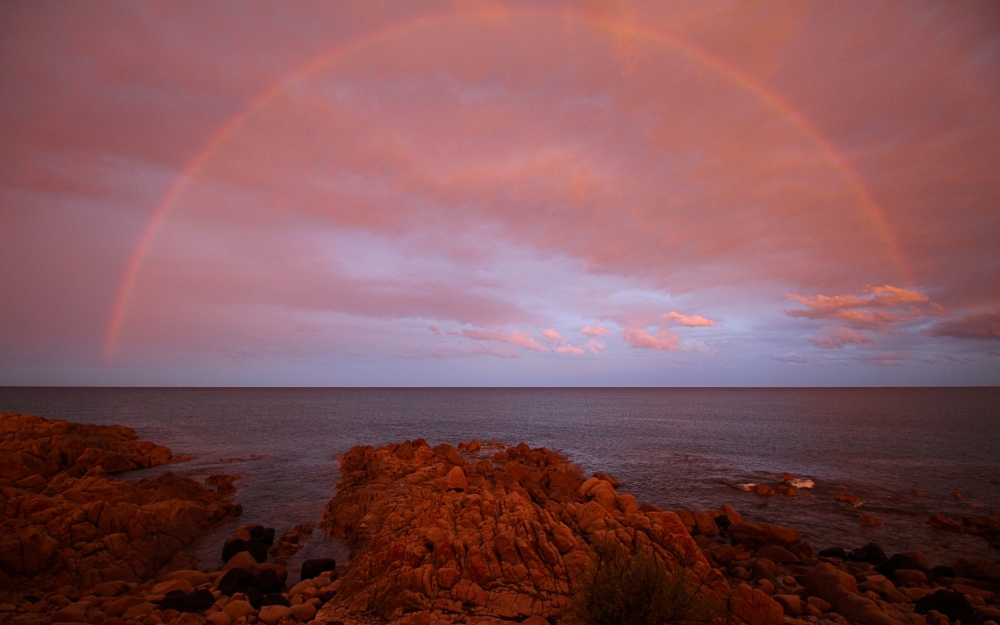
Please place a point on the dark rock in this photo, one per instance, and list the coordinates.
(236, 580)
(263, 534)
(834, 552)
(722, 521)
(267, 581)
(896, 562)
(255, 547)
(943, 571)
(254, 597)
(952, 604)
(326, 596)
(870, 553)
(275, 598)
(187, 602)
(312, 568)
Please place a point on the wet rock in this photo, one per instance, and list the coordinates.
(312, 568)
(761, 534)
(833, 552)
(870, 553)
(869, 521)
(195, 601)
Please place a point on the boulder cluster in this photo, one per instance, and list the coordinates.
(68, 527)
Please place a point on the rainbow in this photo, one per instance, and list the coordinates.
(872, 211)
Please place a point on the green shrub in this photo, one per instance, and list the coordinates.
(625, 588)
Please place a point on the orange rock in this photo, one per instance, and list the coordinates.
(848, 498)
(869, 521)
(456, 480)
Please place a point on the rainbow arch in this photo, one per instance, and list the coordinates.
(872, 211)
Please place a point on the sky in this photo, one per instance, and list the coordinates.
(471, 193)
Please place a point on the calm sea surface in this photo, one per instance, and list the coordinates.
(903, 451)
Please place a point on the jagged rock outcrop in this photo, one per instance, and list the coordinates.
(67, 523)
(512, 537)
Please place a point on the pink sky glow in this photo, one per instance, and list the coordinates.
(500, 193)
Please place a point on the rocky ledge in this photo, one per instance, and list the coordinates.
(69, 527)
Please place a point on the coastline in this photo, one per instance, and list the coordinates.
(755, 570)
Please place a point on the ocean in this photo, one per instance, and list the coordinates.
(903, 451)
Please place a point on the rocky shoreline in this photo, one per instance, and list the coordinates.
(473, 534)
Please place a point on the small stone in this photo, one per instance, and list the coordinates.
(138, 611)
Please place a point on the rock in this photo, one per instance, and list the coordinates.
(777, 554)
(69, 518)
(456, 480)
(138, 611)
(236, 580)
(910, 576)
(219, 618)
(178, 585)
(256, 548)
(723, 554)
(267, 581)
(731, 514)
(188, 602)
(238, 608)
(241, 560)
(273, 614)
(500, 548)
(863, 611)
(869, 521)
(761, 534)
(312, 568)
(534, 620)
(304, 612)
(604, 477)
(705, 524)
(280, 571)
(830, 583)
(870, 553)
(192, 577)
(848, 498)
(820, 604)
(275, 598)
(833, 552)
(752, 607)
(791, 604)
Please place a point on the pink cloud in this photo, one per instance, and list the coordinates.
(883, 307)
(551, 334)
(693, 321)
(594, 347)
(516, 337)
(975, 326)
(664, 339)
(838, 337)
(569, 349)
(595, 331)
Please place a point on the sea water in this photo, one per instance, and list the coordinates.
(903, 451)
